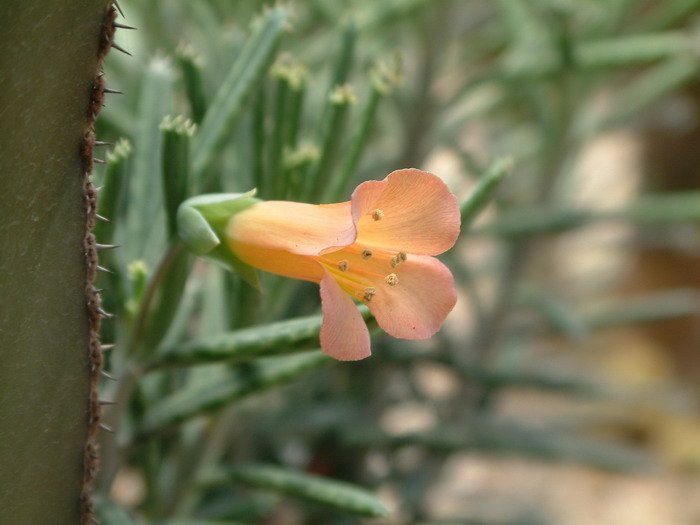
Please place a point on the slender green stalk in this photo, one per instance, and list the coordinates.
(222, 114)
(112, 193)
(291, 78)
(258, 142)
(357, 146)
(177, 134)
(191, 68)
(341, 100)
(485, 190)
(277, 140)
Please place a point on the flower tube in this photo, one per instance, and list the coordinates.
(375, 249)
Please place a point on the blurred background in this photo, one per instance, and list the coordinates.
(563, 388)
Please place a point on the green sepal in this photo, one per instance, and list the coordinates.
(201, 224)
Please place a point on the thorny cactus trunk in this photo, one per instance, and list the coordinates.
(50, 92)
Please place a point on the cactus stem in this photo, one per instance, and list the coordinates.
(117, 25)
(105, 270)
(108, 376)
(112, 91)
(101, 218)
(120, 48)
(100, 247)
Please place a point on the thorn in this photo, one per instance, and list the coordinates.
(99, 161)
(105, 270)
(121, 26)
(106, 402)
(103, 313)
(102, 143)
(101, 218)
(116, 4)
(98, 291)
(99, 246)
(119, 48)
(112, 91)
(107, 348)
(98, 189)
(95, 520)
(106, 428)
(108, 376)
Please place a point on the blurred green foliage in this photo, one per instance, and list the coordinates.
(302, 101)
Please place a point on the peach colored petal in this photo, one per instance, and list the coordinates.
(420, 214)
(344, 334)
(416, 306)
(293, 227)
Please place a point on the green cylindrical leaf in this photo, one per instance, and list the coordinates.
(342, 98)
(341, 496)
(223, 112)
(485, 190)
(631, 50)
(272, 339)
(258, 139)
(384, 77)
(246, 379)
(291, 77)
(191, 67)
(111, 200)
(177, 133)
(144, 233)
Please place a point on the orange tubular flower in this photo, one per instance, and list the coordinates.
(375, 248)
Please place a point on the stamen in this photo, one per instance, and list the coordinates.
(391, 279)
(370, 292)
(398, 259)
(377, 214)
(343, 265)
(366, 253)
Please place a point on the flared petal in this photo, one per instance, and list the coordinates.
(417, 305)
(344, 334)
(293, 227)
(419, 214)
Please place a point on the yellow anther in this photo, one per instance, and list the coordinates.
(343, 265)
(370, 292)
(391, 279)
(377, 214)
(366, 253)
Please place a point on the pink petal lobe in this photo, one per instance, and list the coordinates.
(419, 213)
(344, 334)
(293, 227)
(418, 304)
